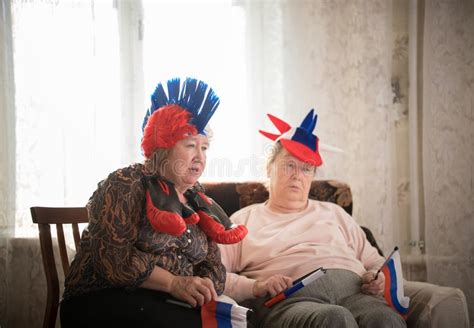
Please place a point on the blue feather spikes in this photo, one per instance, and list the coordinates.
(193, 95)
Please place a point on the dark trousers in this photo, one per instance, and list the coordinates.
(121, 308)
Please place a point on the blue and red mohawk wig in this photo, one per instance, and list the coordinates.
(184, 110)
(299, 142)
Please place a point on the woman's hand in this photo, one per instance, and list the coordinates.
(371, 286)
(196, 291)
(271, 286)
(193, 290)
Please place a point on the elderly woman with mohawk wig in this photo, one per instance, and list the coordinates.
(152, 236)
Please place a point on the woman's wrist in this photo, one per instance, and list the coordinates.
(255, 289)
(159, 279)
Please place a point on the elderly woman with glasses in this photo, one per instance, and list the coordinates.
(291, 235)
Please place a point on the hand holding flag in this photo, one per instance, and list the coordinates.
(371, 283)
(300, 283)
(385, 263)
(393, 292)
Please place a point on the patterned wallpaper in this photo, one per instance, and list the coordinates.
(349, 60)
(337, 58)
(448, 144)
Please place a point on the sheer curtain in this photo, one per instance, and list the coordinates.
(7, 121)
(67, 108)
(60, 123)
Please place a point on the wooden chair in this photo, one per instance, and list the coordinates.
(59, 216)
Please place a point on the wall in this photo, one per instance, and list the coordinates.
(337, 57)
(448, 144)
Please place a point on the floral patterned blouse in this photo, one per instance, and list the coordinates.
(119, 247)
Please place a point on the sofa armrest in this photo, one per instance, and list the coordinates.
(436, 306)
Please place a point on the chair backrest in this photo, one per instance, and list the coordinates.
(60, 217)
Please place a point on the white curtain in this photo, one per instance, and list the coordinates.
(67, 105)
(60, 122)
(7, 121)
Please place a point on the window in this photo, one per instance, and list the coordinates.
(205, 40)
(66, 69)
(77, 64)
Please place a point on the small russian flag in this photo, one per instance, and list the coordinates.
(393, 293)
(217, 314)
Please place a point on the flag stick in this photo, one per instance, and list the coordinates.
(384, 263)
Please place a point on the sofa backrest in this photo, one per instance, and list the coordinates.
(232, 196)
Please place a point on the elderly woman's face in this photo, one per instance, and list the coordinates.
(290, 178)
(186, 161)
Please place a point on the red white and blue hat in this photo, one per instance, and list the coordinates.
(184, 110)
(300, 141)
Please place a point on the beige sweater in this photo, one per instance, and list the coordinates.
(323, 235)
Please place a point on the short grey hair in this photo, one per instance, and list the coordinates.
(275, 150)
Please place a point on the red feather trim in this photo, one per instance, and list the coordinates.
(163, 221)
(216, 231)
(192, 219)
(164, 187)
(165, 127)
